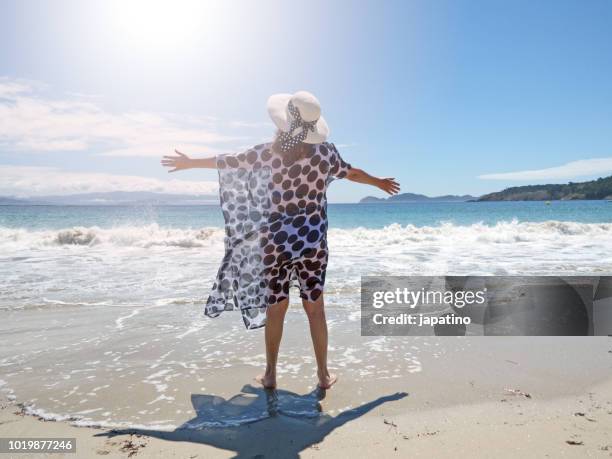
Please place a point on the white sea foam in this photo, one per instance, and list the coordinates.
(500, 233)
(120, 320)
(395, 234)
(122, 236)
(136, 268)
(79, 420)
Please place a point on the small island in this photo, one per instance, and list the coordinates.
(413, 197)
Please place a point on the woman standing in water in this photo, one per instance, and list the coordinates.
(273, 198)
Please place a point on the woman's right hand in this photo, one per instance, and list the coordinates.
(179, 162)
(388, 185)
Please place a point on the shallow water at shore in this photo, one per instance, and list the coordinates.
(155, 365)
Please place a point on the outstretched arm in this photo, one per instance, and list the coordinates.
(388, 185)
(182, 162)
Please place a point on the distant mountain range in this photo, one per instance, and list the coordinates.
(594, 189)
(113, 198)
(412, 197)
(591, 190)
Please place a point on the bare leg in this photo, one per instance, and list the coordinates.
(318, 331)
(275, 318)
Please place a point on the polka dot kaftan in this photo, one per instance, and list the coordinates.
(275, 213)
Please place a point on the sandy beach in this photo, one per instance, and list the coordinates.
(572, 426)
(533, 397)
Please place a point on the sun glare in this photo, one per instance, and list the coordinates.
(162, 23)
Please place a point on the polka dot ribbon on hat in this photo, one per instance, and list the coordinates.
(287, 141)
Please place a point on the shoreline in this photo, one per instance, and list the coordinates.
(195, 363)
(574, 426)
(506, 397)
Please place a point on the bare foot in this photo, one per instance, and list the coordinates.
(266, 380)
(326, 379)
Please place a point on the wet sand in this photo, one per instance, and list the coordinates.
(194, 396)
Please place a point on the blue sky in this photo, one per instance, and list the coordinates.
(447, 96)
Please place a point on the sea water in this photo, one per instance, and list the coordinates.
(344, 216)
(95, 299)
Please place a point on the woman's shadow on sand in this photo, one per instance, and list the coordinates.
(260, 423)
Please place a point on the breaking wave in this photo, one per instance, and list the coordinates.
(153, 235)
(122, 236)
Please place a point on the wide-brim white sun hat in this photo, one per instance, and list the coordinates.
(310, 111)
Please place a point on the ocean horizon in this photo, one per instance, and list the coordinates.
(341, 215)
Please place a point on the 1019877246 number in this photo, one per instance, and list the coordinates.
(38, 445)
